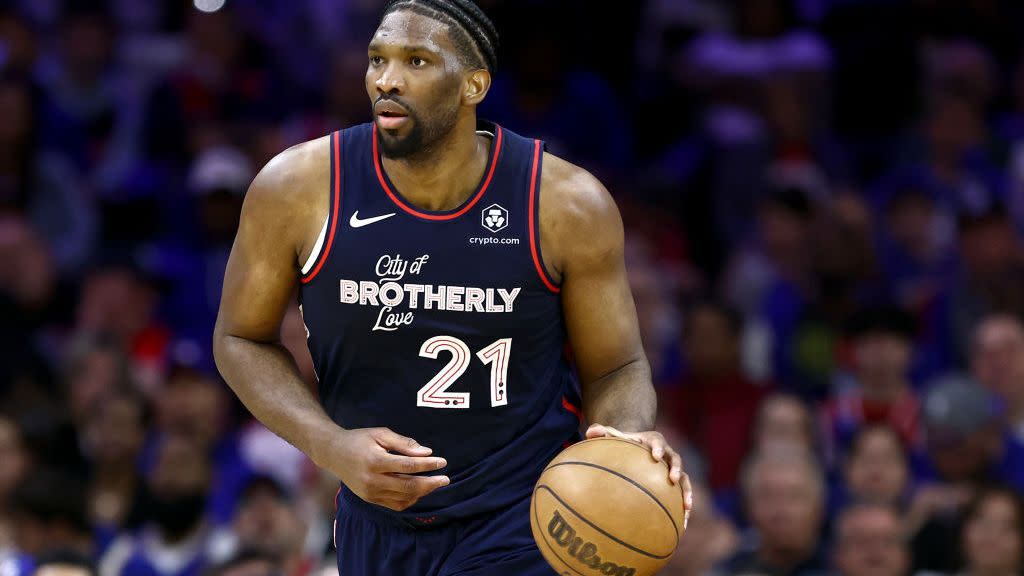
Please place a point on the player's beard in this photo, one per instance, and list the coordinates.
(423, 137)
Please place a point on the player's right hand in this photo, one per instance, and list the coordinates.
(379, 466)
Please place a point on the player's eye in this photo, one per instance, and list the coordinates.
(376, 60)
(417, 62)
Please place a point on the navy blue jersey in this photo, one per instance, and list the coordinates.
(443, 326)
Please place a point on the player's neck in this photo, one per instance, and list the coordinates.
(444, 177)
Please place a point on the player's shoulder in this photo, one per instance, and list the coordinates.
(290, 197)
(293, 184)
(574, 196)
(295, 170)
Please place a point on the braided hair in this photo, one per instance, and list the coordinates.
(472, 32)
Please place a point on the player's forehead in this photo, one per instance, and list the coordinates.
(408, 29)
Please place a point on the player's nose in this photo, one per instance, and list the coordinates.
(390, 80)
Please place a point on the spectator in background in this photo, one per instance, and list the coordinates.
(217, 180)
(194, 406)
(14, 464)
(247, 563)
(64, 563)
(965, 450)
(29, 308)
(49, 514)
(112, 439)
(869, 541)
(989, 279)
(964, 66)
(759, 78)
(592, 132)
(843, 269)
(656, 313)
(770, 279)
(219, 177)
(997, 363)
(191, 405)
(267, 454)
(709, 538)
(221, 83)
(320, 510)
(784, 493)
(1011, 124)
(342, 107)
(14, 460)
(20, 40)
(992, 538)
(94, 113)
(120, 301)
(95, 368)
(915, 248)
(778, 254)
(715, 404)
(796, 286)
(876, 468)
(39, 184)
(952, 165)
(783, 421)
(880, 390)
(267, 521)
(844, 257)
(175, 538)
(1011, 129)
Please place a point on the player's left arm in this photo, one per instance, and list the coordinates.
(582, 241)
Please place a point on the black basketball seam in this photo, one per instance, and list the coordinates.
(598, 528)
(540, 528)
(633, 443)
(631, 481)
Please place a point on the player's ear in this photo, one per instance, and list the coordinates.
(475, 88)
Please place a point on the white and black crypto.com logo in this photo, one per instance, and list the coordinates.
(494, 218)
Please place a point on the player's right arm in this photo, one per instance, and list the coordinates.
(283, 209)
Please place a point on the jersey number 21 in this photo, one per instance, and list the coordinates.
(435, 394)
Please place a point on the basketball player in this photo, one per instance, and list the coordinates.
(443, 265)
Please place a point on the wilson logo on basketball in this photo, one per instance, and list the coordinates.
(585, 552)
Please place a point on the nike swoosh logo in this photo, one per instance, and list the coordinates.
(356, 222)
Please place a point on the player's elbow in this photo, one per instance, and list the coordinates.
(221, 348)
(217, 345)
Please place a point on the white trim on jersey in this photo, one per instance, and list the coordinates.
(316, 249)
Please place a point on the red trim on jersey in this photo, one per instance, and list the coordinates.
(534, 249)
(335, 201)
(572, 408)
(427, 215)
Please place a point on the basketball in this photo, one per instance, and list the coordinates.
(605, 506)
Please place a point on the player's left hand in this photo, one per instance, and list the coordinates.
(659, 451)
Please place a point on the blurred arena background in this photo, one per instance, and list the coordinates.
(824, 204)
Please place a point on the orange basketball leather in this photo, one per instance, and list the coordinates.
(604, 506)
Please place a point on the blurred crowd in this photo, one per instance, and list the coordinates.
(824, 205)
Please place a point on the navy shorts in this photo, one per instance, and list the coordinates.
(495, 544)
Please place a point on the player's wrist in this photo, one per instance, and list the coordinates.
(323, 441)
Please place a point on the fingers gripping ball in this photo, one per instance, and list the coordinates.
(605, 506)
